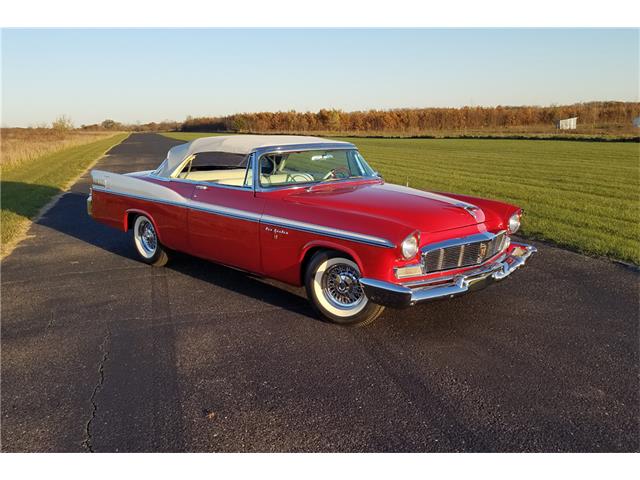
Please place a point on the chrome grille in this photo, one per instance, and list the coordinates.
(475, 251)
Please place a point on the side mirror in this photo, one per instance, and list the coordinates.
(377, 174)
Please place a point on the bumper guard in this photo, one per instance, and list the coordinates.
(399, 296)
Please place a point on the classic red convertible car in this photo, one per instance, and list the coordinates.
(310, 211)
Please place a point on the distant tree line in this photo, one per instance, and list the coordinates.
(416, 120)
(606, 116)
(109, 124)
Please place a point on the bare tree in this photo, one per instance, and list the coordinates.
(62, 124)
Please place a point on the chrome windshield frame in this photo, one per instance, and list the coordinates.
(258, 153)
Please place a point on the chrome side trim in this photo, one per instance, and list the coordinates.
(209, 184)
(271, 220)
(327, 231)
(203, 207)
(224, 211)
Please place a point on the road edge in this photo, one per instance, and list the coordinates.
(24, 229)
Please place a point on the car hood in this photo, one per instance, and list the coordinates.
(417, 209)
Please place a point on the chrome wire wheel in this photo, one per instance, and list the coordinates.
(341, 286)
(145, 237)
(332, 282)
(336, 286)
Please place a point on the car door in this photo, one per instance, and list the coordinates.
(223, 225)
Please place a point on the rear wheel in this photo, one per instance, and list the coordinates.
(145, 239)
(333, 286)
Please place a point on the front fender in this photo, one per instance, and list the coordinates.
(330, 245)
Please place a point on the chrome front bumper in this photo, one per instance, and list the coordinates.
(404, 295)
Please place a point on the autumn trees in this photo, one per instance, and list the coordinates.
(420, 121)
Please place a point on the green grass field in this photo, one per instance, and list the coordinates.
(581, 195)
(30, 186)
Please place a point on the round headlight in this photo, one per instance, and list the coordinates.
(514, 223)
(410, 246)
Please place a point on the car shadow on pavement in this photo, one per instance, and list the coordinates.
(69, 216)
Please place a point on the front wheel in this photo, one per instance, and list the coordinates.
(332, 284)
(147, 244)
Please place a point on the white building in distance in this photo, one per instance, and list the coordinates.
(567, 124)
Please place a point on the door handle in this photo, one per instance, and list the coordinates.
(201, 187)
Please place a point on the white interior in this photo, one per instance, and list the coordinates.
(235, 177)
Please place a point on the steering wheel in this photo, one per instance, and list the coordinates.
(333, 173)
(294, 177)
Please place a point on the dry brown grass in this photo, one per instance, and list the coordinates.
(21, 145)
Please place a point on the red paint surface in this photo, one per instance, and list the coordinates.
(373, 208)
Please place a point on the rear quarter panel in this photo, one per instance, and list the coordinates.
(116, 197)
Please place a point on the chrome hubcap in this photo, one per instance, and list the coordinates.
(147, 236)
(341, 286)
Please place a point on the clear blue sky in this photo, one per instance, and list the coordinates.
(155, 74)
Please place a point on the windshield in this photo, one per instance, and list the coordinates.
(313, 166)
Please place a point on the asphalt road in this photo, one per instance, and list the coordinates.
(103, 353)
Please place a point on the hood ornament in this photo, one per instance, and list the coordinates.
(470, 209)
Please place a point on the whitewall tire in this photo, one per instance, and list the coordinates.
(147, 243)
(332, 283)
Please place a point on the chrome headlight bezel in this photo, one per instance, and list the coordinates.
(410, 246)
(513, 225)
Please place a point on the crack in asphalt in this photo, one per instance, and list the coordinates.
(50, 322)
(104, 347)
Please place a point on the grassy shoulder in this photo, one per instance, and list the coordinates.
(580, 195)
(24, 145)
(29, 187)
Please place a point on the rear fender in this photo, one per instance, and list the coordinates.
(136, 186)
(139, 211)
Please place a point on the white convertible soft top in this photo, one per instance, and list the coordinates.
(240, 144)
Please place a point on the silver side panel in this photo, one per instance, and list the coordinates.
(130, 186)
(134, 186)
